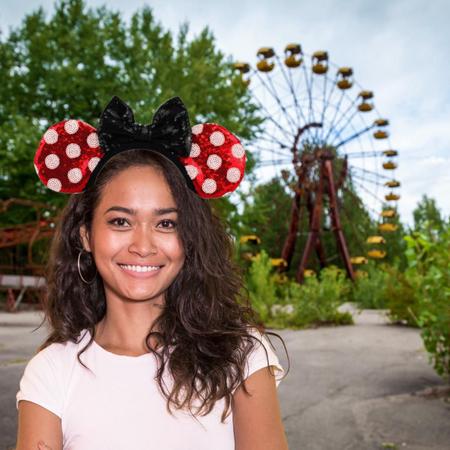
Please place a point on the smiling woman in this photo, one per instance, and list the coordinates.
(147, 312)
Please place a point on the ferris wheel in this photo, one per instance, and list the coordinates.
(322, 132)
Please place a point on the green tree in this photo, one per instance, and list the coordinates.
(266, 213)
(70, 64)
(427, 216)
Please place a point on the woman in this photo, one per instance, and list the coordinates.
(150, 339)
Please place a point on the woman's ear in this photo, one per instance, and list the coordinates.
(85, 238)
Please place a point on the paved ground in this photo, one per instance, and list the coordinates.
(367, 386)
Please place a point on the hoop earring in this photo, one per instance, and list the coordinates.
(79, 270)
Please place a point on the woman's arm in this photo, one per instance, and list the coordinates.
(38, 424)
(257, 419)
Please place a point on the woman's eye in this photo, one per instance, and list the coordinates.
(168, 223)
(119, 222)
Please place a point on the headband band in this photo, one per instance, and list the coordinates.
(72, 153)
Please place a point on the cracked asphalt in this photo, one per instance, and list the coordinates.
(366, 386)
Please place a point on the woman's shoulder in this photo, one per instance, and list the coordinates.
(61, 351)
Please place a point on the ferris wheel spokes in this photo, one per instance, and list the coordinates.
(327, 102)
(367, 154)
(272, 90)
(354, 136)
(287, 133)
(370, 172)
(333, 125)
(289, 82)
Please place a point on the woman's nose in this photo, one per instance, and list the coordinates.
(143, 242)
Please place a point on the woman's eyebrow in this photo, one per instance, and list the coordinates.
(132, 212)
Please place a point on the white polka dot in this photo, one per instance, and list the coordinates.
(50, 136)
(73, 150)
(36, 169)
(52, 161)
(192, 171)
(233, 175)
(217, 138)
(209, 186)
(71, 126)
(238, 151)
(74, 175)
(92, 140)
(54, 184)
(197, 129)
(214, 162)
(92, 164)
(195, 151)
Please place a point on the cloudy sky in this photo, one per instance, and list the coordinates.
(399, 49)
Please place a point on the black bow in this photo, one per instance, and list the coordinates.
(169, 133)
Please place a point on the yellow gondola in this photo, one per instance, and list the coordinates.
(320, 62)
(243, 68)
(389, 165)
(278, 262)
(392, 184)
(344, 78)
(392, 197)
(376, 240)
(365, 106)
(250, 239)
(357, 260)
(376, 254)
(387, 227)
(390, 153)
(388, 213)
(265, 64)
(293, 54)
(381, 134)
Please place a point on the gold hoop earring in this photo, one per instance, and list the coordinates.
(79, 270)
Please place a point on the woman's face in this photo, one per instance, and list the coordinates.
(134, 237)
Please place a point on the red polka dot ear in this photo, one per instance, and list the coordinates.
(216, 162)
(67, 155)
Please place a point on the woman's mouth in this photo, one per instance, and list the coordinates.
(134, 269)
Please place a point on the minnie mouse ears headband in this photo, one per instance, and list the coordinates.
(71, 153)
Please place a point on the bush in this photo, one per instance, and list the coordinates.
(369, 292)
(429, 274)
(402, 298)
(316, 301)
(290, 304)
(261, 286)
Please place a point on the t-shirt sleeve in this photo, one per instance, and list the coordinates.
(257, 359)
(41, 383)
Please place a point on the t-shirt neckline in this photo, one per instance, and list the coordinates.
(116, 356)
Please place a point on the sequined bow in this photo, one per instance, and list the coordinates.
(169, 132)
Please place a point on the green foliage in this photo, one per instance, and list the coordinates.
(296, 305)
(369, 292)
(427, 216)
(263, 209)
(429, 274)
(261, 286)
(402, 298)
(316, 301)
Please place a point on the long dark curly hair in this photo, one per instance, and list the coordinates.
(206, 313)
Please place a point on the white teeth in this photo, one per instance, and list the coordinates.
(139, 268)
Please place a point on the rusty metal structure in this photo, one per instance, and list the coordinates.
(327, 136)
(22, 276)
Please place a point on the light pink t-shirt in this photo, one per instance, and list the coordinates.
(119, 407)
